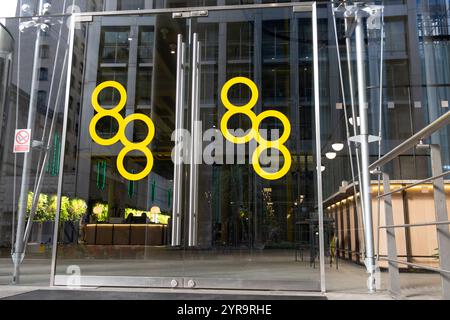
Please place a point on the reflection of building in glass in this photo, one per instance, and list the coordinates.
(130, 53)
(6, 56)
(50, 71)
(237, 209)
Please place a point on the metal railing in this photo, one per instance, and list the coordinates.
(442, 220)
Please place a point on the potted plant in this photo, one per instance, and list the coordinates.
(43, 222)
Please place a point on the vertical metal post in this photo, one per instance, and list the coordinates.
(18, 254)
(443, 233)
(178, 174)
(71, 37)
(195, 150)
(318, 146)
(394, 274)
(348, 46)
(364, 140)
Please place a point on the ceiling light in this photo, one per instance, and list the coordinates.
(331, 155)
(353, 123)
(338, 147)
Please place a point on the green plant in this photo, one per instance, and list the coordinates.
(71, 209)
(77, 209)
(41, 213)
(101, 212)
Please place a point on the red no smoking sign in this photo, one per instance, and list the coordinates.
(22, 141)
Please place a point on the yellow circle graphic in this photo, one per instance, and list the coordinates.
(268, 175)
(286, 124)
(132, 176)
(254, 132)
(138, 117)
(109, 84)
(240, 80)
(235, 110)
(93, 128)
(226, 131)
(121, 134)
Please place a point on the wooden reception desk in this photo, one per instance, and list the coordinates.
(126, 234)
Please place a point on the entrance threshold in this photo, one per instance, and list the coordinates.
(153, 294)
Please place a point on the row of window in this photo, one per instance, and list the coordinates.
(115, 44)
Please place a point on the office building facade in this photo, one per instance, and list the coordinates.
(149, 181)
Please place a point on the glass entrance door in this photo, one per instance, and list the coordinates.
(197, 160)
(252, 192)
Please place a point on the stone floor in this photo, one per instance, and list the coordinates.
(347, 282)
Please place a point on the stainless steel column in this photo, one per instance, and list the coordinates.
(315, 30)
(195, 144)
(178, 165)
(364, 140)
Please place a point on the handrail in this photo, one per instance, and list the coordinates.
(415, 225)
(413, 141)
(415, 265)
(414, 184)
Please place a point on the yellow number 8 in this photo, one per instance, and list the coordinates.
(234, 110)
(121, 134)
(254, 131)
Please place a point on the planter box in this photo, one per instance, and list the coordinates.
(42, 232)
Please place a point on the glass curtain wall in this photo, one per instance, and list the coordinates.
(249, 230)
(141, 56)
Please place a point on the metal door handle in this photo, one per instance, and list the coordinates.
(179, 121)
(195, 143)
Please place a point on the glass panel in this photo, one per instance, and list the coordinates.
(32, 96)
(253, 231)
(123, 229)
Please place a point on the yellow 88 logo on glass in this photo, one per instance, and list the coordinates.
(254, 132)
(121, 134)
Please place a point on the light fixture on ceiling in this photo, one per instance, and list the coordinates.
(331, 155)
(338, 147)
(352, 122)
(173, 48)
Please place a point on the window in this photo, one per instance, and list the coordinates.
(42, 100)
(115, 45)
(44, 51)
(111, 97)
(144, 86)
(43, 74)
(395, 36)
(130, 4)
(146, 40)
(240, 41)
(275, 42)
(107, 127)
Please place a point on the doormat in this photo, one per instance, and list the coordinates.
(140, 296)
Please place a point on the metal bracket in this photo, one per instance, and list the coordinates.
(83, 18)
(301, 8)
(359, 139)
(351, 29)
(190, 14)
(372, 12)
(37, 144)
